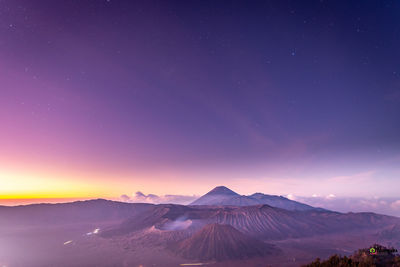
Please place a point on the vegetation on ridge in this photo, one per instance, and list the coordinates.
(379, 256)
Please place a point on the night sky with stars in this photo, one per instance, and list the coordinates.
(103, 98)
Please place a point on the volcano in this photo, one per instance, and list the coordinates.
(134, 234)
(218, 195)
(223, 196)
(221, 242)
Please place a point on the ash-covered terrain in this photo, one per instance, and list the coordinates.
(218, 229)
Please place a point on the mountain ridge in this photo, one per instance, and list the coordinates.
(207, 233)
(223, 196)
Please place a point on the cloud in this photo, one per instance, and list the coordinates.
(330, 196)
(140, 197)
(125, 198)
(178, 224)
(389, 206)
(381, 205)
(354, 179)
(395, 204)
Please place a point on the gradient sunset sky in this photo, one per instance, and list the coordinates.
(103, 98)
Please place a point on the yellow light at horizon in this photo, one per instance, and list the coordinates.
(41, 181)
(40, 184)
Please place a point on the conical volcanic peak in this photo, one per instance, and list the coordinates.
(217, 196)
(222, 190)
(221, 242)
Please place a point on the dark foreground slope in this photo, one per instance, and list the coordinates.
(382, 257)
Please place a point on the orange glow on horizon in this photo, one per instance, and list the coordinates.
(43, 182)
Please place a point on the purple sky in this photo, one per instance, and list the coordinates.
(103, 98)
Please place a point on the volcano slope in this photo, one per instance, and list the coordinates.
(220, 242)
(169, 235)
(260, 221)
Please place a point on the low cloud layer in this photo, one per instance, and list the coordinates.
(389, 206)
(140, 197)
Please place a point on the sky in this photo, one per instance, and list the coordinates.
(107, 98)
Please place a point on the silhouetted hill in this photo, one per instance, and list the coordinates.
(73, 212)
(382, 257)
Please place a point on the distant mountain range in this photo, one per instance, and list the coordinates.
(221, 228)
(223, 196)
